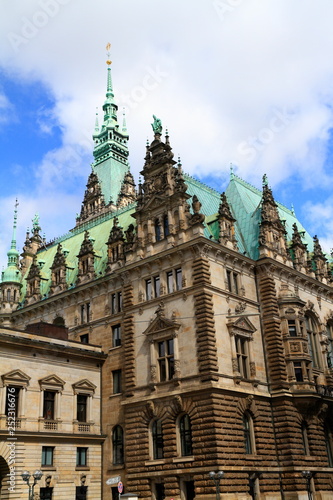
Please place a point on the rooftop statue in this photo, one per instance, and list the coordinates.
(157, 125)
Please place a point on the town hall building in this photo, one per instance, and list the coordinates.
(210, 317)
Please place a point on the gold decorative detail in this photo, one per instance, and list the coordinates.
(108, 47)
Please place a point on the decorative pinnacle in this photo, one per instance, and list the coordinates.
(108, 47)
(13, 243)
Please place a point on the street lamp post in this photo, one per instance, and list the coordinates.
(26, 478)
(216, 477)
(308, 475)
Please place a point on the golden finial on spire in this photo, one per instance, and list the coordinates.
(108, 47)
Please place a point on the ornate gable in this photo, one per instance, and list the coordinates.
(84, 387)
(52, 382)
(15, 377)
(161, 326)
(242, 326)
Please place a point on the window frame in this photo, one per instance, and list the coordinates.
(248, 434)
(47, 459)
(118, 445)
(82, 456)
(116, 381)
(243, 355)
(82, 407)
(232, 281)
(116, 335)
(184, 426)
(46, 399)
(157, 439)
(312, 330)
(166, 359)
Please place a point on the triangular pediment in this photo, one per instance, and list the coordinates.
(242, 326)
(15, 377)
(52, 381)
(161, 324)
(84, 386)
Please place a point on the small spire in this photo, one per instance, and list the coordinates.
(167, 136)
(292, 209)
(109, 88)
(232, 175)
(179, 162)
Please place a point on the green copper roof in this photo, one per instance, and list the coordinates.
(99, 231)
(244, 201)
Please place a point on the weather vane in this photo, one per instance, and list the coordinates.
(108, 47)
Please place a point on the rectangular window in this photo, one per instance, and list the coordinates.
(159, 491)
(81, 493)
(292, 328)
(49, 405)
(166, 360)
(82, 401)
(242, 356)
(84, 338)
(47, 455)
(232, 281)
(179, 279)
(169, 277)
(45, 493)
(85, 313)
(116, 335)
(116, 381)
(157, 286)
(81, 457)
(298, 371)
(116, 302)
(148, 289)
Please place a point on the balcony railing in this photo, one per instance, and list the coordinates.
(51, 425)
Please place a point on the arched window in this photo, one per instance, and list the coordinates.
(185, 434)
(166, 226)
(157, 439)
(249, 442)
(157, 230)
(118, 445)
(329, 443)
(305, 438)
(312, 331)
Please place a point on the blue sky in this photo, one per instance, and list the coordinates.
(247, 82)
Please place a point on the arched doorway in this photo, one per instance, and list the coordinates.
(4, 479)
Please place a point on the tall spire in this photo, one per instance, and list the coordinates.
(12, 273)
(13, 243)
(110, 145)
